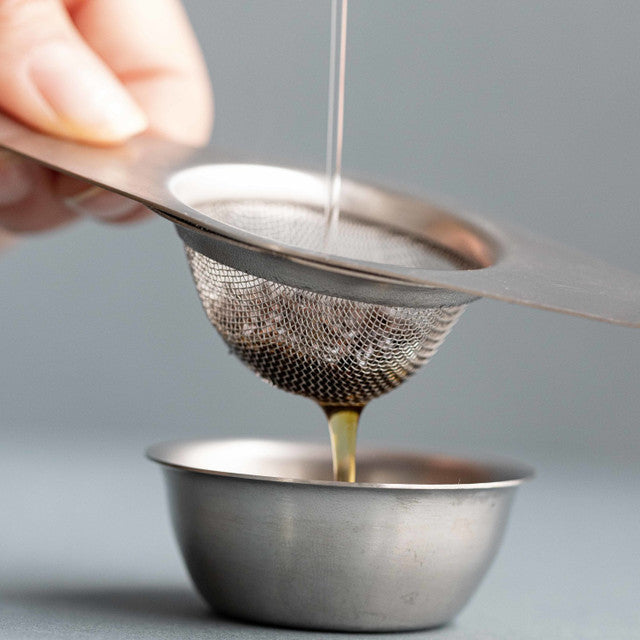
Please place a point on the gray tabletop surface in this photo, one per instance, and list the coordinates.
(87, 552)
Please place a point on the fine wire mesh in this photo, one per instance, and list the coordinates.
(303, 227)
(333, 350)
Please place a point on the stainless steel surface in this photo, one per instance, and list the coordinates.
(268, 537)
(513, 265)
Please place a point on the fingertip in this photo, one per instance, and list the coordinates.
(87, 101)
(6, 239)
(101, 204)
(38, 209)
(52, 80)
(17, 179)
(139, 214)
(90, 201)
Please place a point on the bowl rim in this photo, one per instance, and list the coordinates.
(165, 454)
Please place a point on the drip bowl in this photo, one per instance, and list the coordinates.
(267, 536)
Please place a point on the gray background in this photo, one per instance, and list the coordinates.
(527, 112)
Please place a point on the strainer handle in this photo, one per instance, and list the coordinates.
(527, 269)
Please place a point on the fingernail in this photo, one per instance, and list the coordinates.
(87, 99)
(15, 179)
(99, 203)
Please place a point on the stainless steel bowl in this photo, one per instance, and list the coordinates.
(268, 537)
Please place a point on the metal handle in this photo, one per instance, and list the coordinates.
(522, 268)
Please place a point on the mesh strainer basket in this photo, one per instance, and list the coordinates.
(323, 344)
(331, 349)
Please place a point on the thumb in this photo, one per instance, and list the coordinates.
(50, 79)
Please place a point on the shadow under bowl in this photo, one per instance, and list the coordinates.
(267, 536)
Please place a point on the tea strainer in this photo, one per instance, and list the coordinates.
(344, 326)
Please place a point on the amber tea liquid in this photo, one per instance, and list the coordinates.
(343, 429)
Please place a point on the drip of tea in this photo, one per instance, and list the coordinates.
(343, 429)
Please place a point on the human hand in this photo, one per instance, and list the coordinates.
(99, 72)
